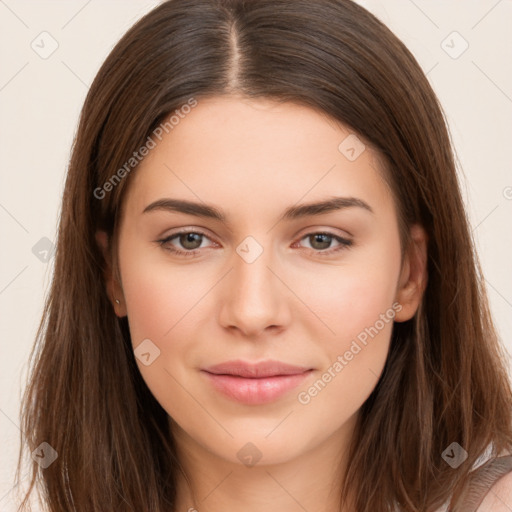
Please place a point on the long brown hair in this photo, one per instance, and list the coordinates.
(444, 380)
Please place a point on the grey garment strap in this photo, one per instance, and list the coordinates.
(480, 482)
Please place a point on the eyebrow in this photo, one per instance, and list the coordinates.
(291, 213)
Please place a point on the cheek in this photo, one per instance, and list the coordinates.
(352, 297)
(357, 302)
(163, 306)
(160, 297)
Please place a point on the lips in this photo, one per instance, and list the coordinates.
(255, 383)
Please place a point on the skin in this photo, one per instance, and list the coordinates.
(499, 497)
(253, 159)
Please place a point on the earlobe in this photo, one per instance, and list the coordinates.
(114, 290)
(413, 276)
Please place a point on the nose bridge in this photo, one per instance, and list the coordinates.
(253, 297)
(251, 272)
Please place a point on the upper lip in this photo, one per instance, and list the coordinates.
(256, 370)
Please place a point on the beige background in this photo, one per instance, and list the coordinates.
(40, 100)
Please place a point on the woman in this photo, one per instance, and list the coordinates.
(265, 292)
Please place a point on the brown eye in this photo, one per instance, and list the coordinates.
(190, 240)
(320, 243)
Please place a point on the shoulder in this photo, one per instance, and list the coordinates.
(499, 496)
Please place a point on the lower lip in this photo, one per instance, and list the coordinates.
(255, 391)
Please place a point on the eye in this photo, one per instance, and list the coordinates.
(322, 241)
(191, 241)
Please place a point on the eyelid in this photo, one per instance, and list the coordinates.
(315, 228)
(184, 231)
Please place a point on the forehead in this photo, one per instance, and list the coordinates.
(240, 152)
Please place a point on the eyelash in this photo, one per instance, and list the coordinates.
(344, 243)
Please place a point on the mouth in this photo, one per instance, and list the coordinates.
(255, 384)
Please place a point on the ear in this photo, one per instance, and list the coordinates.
(413, 276)
(114, 289)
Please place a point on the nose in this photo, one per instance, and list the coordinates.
(254, 297)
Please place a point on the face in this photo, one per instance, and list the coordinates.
(268, 281)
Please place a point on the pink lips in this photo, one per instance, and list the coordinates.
(258, 383)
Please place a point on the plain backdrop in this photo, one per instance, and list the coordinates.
(50, 53)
